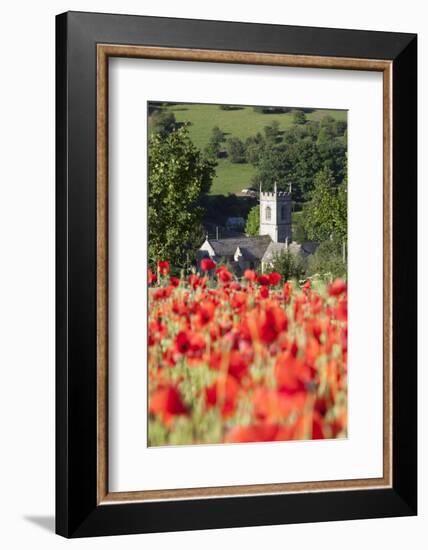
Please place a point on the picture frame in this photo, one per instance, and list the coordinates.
(84, 44)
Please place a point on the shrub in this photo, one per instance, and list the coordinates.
(327, 260)
(299, 117)
(235, 150)
(289, 264)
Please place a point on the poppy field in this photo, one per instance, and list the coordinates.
(244, 360)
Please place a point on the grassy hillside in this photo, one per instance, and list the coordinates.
(241, 122)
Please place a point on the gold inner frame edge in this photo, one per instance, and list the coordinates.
(104, 52)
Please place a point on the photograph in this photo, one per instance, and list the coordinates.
(247, 317)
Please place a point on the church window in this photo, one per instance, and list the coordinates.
(268, 212)
(282, 212)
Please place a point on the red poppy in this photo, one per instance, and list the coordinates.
(207, 264)
(190, 343)
(224, 275)
(205, 313)
(291, 374)
(251, 434)
(263, 280)
(250, 275)
(264, 292)
(307, 285)
(274, 278)
(271, 322)
(167, 403)
(174, 281)
(223, 393)
(162, 293)
(163, 267)
(195, 281)
(239, 300)
(277, 355)
(152, 277)
(238, 364)
(337, 288)
(276, 406)
(182, 342)
(215, 361)
(157, 331)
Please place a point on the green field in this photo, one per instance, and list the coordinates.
(242, 123)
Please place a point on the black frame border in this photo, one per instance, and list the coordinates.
(77, 512)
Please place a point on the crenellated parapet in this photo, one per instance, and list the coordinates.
(270, 195)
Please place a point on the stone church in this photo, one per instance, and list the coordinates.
(275, 237)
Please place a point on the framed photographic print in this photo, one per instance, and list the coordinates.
(236, 274)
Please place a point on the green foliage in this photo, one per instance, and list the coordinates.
(299, 232)
(252, 225)
(324, 136)
(318, 217)
(341, 214)
(217, 208)
(229, 107)
(163, 123)
(340, 127)
(328, 261)
(235, 150)
(272, 131)
(214, 145)
(325, 215)
(178, 175)
(271, 110)
(297, 163)
(299, 117)
(333, 156)
(289, 264)
(254, 148)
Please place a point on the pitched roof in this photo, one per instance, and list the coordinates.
(251, 247)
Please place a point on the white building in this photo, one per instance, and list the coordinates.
(275, 215)
(275, 234)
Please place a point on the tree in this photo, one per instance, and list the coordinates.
(295, 163)
(163, 123)
(341, 126)
(318, 213)
(334, 156)
(214, 145)
(254, 148)
(341, 214)
(299, 233)
(325, 215)
(178, 175)
(235, 150)
(252, 225)
(299, 117)
(272, 131)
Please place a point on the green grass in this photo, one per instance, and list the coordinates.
(231, 178)
(242, 123)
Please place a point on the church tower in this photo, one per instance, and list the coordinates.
(275, 215)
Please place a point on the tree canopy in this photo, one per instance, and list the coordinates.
(178, 175)
(163, 123)
(252, 225)
(325, 214)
